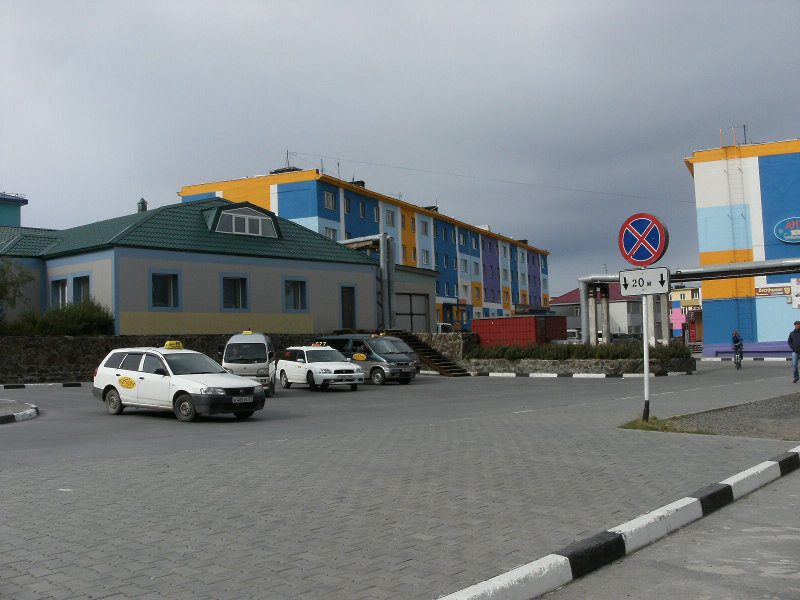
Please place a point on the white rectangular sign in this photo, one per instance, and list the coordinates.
(643, 282)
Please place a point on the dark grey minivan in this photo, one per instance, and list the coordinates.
(383, 358)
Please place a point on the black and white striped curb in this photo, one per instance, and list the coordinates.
(23, 415)
(579, 375)
(753, 358)
(20, 386)
(576, 560)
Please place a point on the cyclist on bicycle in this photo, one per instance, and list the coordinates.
(738, 350)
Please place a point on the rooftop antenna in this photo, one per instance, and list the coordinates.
(338, 170)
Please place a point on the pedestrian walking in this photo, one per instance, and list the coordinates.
(794, 344)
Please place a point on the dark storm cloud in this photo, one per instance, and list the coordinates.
(550, 121)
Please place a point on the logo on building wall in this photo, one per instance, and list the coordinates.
(788, 230)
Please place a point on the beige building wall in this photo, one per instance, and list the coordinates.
(200, 291)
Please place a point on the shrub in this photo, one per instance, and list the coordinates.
(88, 317)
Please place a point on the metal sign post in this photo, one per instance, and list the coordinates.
(643, 240)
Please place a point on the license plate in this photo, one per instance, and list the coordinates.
(241, 399)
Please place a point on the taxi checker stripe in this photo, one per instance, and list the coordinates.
(641, 239)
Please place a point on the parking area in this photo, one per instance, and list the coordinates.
(409, 491)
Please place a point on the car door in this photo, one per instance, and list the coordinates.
(126, 377)
(153, 383)
(299, 367)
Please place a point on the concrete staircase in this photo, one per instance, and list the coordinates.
(436, 361)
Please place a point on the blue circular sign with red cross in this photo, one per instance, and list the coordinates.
(643, 239)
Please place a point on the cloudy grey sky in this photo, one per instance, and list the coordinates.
(551, 121)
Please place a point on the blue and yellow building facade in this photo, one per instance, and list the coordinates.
(748, 208)
(481, 273)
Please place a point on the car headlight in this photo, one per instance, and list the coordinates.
(359, 369)
(215, 391)
(262, 372)
(323, 370)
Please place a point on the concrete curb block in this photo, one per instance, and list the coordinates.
(578, 375)
(21, 386)
(746, 358)
(550, 572)
(24, 415)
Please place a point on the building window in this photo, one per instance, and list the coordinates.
(403, 251)
(464, 291)
(330, 200)
(234, 293)
(505, 274)
(413, 225)
(474, 243)
(165, 290)
(476, 270)
(424, 227)
(435, 230)
(522, 256)
(390, 218)
(446, 288)
(347, 235)
(634, 308)
(80, 289)
(330, 233)
(462, 239)
(58, 292)
(476, 292)
(695, 294)
(295, 295)
(426, 257)
(362, 210)
(376, 214)
(402, 221)
(523, 278)
(505, 251)
(436, 259)
(347, 205)
(505, 297)
(463, 265)
(414, 254)
(453, 236)
(444, 256)
(246, 221)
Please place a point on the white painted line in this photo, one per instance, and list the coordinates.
(753, 478)
(543, 375)
(589, 375)
(520, 412)
(528, 581)
(502, 374)
(647, 528)
(429, 372)
(676, 373)
(635, 375)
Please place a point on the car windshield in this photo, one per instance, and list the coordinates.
(188, 363)
(245, 353)
(400, 346)
(383, 346)
(326, 355)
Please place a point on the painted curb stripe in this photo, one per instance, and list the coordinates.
(592, 553)
(14, 386)
(713, 497)
(21, 386)
(589, 375)
(542, 374)
(528, 581)
(548, 573)
(502, 374)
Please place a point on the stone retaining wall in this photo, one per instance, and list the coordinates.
(452, 345)
(527, 366)
(58, 359)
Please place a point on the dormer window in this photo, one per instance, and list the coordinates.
(246, 221)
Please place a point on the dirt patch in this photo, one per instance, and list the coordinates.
(777, 418)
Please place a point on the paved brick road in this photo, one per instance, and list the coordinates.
(411, 511)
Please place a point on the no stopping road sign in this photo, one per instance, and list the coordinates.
(643, 239)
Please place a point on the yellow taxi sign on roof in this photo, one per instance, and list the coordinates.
(247, 332)
(319, 344)
(173, 345)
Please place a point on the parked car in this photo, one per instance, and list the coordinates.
(318, 365)
(380, 356)
(185, 382)
(251, 355)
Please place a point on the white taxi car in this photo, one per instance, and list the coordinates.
(317, 365)
(170, 378)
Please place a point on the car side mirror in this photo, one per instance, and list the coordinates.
(160, 372)
(301, 360)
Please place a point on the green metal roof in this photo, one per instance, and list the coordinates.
(184, 227)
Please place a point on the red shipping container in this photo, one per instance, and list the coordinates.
(520, 330)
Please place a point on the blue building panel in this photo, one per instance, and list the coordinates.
(780, 199)
(724, 228)
(298, 201)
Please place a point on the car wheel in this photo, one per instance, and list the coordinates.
(405, 381)
(310, 379)
(270, 390)
(285, 383)
(353, 387)
(184, 408)
(377, 376)
(113, 403)
(325, 385)
(243, 414)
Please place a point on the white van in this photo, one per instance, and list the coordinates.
(251, 355)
